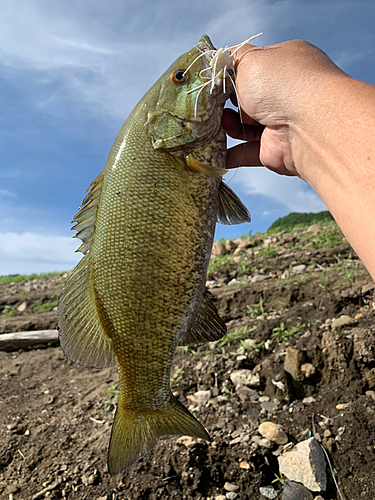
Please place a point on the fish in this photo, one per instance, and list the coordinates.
(147, 226)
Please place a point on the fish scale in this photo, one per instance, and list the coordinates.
(147, 226)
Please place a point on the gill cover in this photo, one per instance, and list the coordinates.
(175, 121)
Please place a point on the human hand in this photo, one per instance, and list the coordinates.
(278, 90)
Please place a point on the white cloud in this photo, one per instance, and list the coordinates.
(28, 253)
(291, 192)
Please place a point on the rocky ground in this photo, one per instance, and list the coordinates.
(295, 375)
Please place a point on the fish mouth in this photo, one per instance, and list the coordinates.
(205, 44)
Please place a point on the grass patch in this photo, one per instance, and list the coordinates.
(40, 307)
(17, 278)
(282, 334)
(236, 336)
(8, 311)
(220, 264)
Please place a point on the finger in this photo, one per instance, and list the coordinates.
(234, 128)
(246, 154)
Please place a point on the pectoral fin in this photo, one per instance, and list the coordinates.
(208, 326)
(231, 210)
(197, 166)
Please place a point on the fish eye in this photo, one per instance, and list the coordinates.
(178, 76)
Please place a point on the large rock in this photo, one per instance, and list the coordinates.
(296, 491)
(306, 464)
(292, 363)
(218, 248)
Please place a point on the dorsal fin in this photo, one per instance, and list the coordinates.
(231, 210)
(208, 326)
(86, 217)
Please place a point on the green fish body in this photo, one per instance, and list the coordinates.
(147, 226)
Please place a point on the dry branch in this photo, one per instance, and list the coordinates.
(18, 340)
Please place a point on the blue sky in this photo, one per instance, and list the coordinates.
(71, 72)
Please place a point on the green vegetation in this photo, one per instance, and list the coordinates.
(282, 334)
(255, 310)
(40, 307)
(8, 311)
(295, 219)
(17, 278)
(176, 378)
(236, 336)
(114, 392)
(220, 263)
(327, 239)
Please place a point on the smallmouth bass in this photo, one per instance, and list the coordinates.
(147, 227)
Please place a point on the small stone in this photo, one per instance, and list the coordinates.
(187, 441)
(245, 377)
(305, 463)
(22, 307)
(262, 399)
(273, 432)
(309, 400)
(201, 397)
(343, 406)
(250, 343)
(232, 282)
(299, 269)
(308, 370)
(268, 492)
(220, 497)
(266, 443)
(269, 406)
(231, 495)
(85, 480)
(292, 363)
(327, 433)
(244, 465)
(231, 487)
(258, 277)
(370, 394)
(218, 248)
(343, 320)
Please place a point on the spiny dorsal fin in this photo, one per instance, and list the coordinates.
(86, 217)
(208, 326)
(82, 336)
(231, 210)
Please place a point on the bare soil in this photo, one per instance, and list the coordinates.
(55, 416)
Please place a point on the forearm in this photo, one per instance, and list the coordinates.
(334, 151)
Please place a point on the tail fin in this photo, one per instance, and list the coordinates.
(133, 435)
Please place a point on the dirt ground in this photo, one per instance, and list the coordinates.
(281, 297)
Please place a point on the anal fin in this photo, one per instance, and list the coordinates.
(208, 326)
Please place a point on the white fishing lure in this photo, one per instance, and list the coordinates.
(221, 65)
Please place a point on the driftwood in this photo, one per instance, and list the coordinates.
(18, 340)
